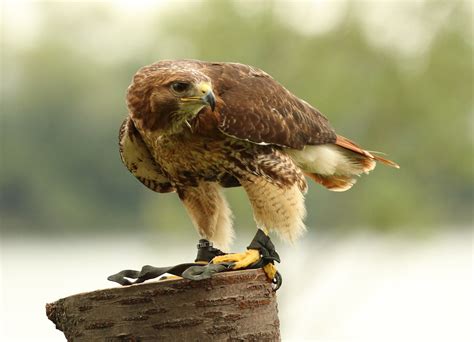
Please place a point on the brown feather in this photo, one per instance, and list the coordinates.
(251, 105)
(259, 135)
(352, 146)
(139, 161)
(259, 109)
(333, 183)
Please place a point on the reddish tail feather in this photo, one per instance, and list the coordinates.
(352, 146)
(356, 156)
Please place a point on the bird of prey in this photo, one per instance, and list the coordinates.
(196, 127)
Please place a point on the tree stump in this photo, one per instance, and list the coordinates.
(231, 306)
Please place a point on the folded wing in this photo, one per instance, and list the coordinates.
(253, 106)
(139, 161)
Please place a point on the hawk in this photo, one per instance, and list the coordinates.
(196, 127)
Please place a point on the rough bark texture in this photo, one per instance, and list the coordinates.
(231, 306)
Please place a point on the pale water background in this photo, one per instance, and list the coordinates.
(361, 287)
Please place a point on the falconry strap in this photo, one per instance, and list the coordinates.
(198, 271)
(262, 243)
(206, 252)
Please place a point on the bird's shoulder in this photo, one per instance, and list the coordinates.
(253, 106)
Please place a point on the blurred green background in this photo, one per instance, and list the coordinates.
(396, 77)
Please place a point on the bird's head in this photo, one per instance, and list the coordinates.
(166, 98)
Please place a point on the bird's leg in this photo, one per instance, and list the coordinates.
(270, 269)
(206, 252)
(260, 253)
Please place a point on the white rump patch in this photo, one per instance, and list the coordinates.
(326, 160)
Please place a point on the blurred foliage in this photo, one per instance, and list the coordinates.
(63, 102)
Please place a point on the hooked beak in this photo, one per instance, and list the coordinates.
(208, 98)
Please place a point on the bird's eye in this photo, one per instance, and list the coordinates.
(180, 87)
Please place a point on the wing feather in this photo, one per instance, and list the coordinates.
(138, 159)
(252, 106)
(255, 107)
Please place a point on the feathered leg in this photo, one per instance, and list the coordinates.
(276, 207)
(209, 212)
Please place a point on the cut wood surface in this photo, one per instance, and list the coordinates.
(231, 306)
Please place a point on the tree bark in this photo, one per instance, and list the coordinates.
(231, 306)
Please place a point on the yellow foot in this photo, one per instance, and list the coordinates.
(240, 260)
(270, 270)
(245, 259)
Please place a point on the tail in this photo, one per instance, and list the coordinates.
(352, 146)
(337, 166)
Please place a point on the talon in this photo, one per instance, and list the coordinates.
(260, 253)
(240, 260)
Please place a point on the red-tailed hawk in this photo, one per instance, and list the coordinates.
(195, 127)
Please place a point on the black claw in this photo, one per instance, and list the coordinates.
(277, 281)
